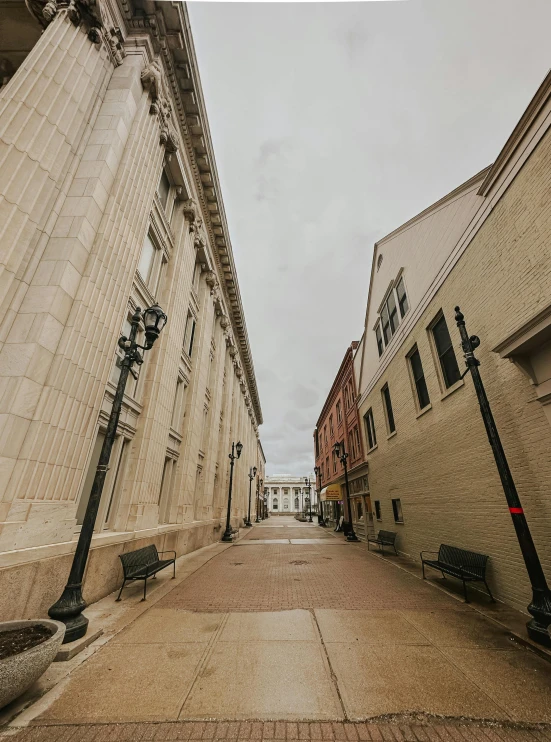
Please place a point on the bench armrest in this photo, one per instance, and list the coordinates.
(170, 551)
(427, 552)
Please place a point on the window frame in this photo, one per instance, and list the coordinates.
(442, 375)
(397, 510)
(371, 434)
(390, 313)
(388, 410)
(416, 382)
(377, 508)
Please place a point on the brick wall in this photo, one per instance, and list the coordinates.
(440, 464)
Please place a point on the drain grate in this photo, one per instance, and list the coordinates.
(299, 561)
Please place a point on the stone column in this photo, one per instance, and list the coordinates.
(59, 351)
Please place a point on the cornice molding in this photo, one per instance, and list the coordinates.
(167, 24)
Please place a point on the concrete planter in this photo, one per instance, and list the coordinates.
(19, 672)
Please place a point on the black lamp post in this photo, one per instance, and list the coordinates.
(235, 448)
(321, 519)
(342, 455)
(540, 607)
(70, 605)
(309, 488)
(259, 487)
(252, 475)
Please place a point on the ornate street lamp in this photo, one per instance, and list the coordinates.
(236, 448)
(309, 488)
(540, 607)
(70, 605)
(321, 519)
(252, 475)
(342, 455)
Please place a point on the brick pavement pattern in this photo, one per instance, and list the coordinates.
(401, 731)
(278, 577)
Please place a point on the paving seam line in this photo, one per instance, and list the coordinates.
(205, 657)
(330, 666)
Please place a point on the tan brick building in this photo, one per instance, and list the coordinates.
(110, 199)
(486, 247)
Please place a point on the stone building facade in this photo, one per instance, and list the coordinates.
(110, 199)
(339, 422)
(486, 248)
(288, 495)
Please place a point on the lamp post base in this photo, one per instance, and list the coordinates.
(540, 608)
(228, 537)
(351, 536)
(68, 609)
(247, 524)
(310, 520)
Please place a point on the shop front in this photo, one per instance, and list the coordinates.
(331, 504)
(360, 503)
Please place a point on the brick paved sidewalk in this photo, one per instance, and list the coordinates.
(313, 635)
(279, 731)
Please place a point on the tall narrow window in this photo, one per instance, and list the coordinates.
(397, 510)
(388, 409)
(446, 354)
(377, 509)
(357, 440)
(331, 431)
(380, 346)
(402, 297)
(177, 410)
(189, 334)
(339, 411)
(147, 259)
(370, 429)
(419, 379)
(164, 189)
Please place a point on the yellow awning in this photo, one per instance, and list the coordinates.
(331, 493)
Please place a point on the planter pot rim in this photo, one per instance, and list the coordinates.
(57, 627)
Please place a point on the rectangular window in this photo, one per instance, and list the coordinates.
(392, 313)
(388, 409)
(370, 429)
(339, 412)
(317, 443)
(331, 431)
(377, 509)
(334, 462)
(177, 410)
(402, 297)
(147, 259)
(189, 334)
(164, 189)
(397, 511)
(446, 354)
(380, 346)
(423, 398)
(360, 509)
(357, 440)
(327, 470)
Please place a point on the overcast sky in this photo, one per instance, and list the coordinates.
(332, 125)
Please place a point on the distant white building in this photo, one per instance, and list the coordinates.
(289, 494)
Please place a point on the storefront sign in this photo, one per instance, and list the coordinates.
(332, 493)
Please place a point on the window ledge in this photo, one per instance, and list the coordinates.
(452, 389)
(423, 411)
(391, 435)
(373, 448)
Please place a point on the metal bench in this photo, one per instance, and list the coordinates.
(468, 566)
(383, 538)
(144, 563)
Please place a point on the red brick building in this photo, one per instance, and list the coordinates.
(339, 422)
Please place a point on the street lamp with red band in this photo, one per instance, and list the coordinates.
(540, 607)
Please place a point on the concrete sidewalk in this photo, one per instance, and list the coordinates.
(317, 631)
